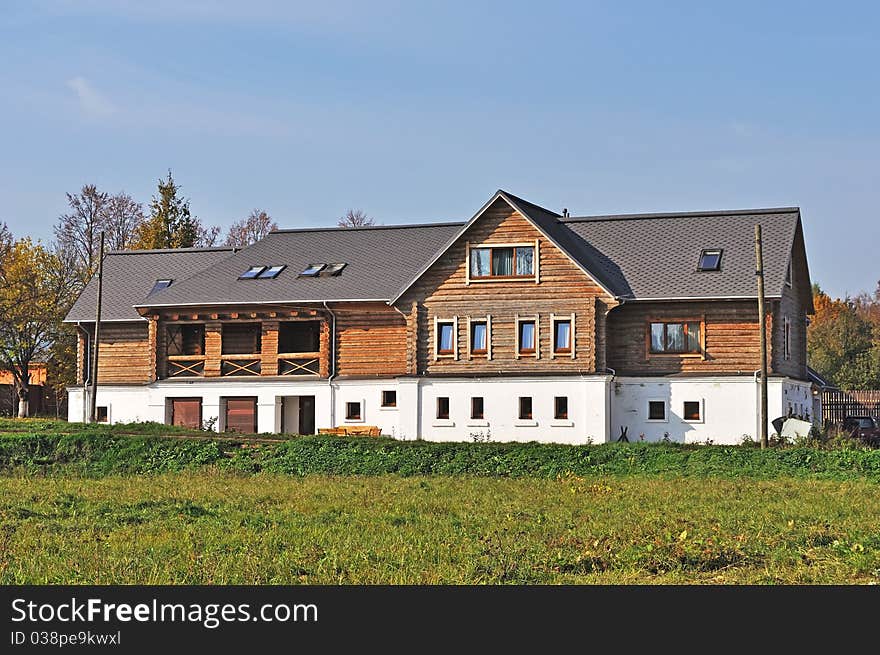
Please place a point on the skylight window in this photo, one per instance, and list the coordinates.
(710, 260)
(312, 270)
(251, 273)
(161, 284)
(271, 273)
(333, 269)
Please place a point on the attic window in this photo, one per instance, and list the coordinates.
(312, 270)
(271, 273)
(333, 269)
(161, 284)
(710, 260)
(252, 272)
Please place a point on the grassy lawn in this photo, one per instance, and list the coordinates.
(214, 526)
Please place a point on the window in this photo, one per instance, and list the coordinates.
(241, 415)
(443, 407)
(241, 339)
(656, 410)
(186, 339)
(710, 260)
(562, 336)
(352, 411)
(479, 337)
(788, 274)
(299, 337)
(102, 414)
(676, 338)
(389, 398)
(509, 261)
(312, 270)
(271, 273)
(445, 338)
(160, 284)
(332, 270)
(560, 407)
(477, 407)
(692, 410)
(527, 337)
(525, 407)
(251, 273)
(186, 412)
(786, 338)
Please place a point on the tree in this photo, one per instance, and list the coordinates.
(5, 241)
(77, 231)
(123, 217)
(355, 218)
(251, 229)
(171, 224)
(36, 289)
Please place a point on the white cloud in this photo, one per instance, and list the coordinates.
(92, 103)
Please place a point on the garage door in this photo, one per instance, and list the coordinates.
(241, 415)
(186, 412)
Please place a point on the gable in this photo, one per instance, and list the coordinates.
(500, 223)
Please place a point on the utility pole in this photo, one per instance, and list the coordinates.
(762, 321)
(93, 400)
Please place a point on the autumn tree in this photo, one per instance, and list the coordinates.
(123, 217)
(77, 231)
(36, 290)
(5, 240)
(171, 224)
(355, 218)
(251, 229)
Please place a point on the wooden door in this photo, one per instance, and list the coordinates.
(241, 415)
(186, 412)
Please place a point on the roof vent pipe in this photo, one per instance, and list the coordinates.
(565, 212)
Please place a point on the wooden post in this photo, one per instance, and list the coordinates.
(93, 400)
(762, 320)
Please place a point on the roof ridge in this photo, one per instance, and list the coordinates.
(691, 214)
(156, 251)
(335, 228)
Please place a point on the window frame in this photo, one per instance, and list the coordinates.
(648, 404)
(531, 412)
(383, 398)
(536, 352)
(359, 418)
(556, 413)
(482, 416)
(271, 272)
(252, 272)
(571, 350)
(710, 252)
(651, 321)
(437, 413)
(444, 354)
(536, 262)
(487, 351)
(786, 338)
(701, 418)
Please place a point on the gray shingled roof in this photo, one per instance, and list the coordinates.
(379, 260)
(648, 256)
(130, 275)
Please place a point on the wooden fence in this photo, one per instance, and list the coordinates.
(838, 404)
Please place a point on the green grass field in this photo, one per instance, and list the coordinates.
(212, 526)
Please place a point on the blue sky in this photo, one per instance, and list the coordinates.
(419, 111)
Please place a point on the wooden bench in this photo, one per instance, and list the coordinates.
(353, 431)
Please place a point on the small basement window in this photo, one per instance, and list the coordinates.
(692, 410)
(389, 398)
(102, 414)
(271, 273)
(251, 273)
(160, 284)
(710, 260)
(560, 407)
(312, 270)
(656, 410)
(477, 407)
(525, 407)
(352, 411)
(443, 407)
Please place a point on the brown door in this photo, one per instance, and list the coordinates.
(241, 415)
(186, 412)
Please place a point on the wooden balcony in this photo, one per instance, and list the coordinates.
(240, 365)
(299, 364)
(186, 366)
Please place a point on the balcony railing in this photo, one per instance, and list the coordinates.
(186, 366)
(240, 365)
(308, 364)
